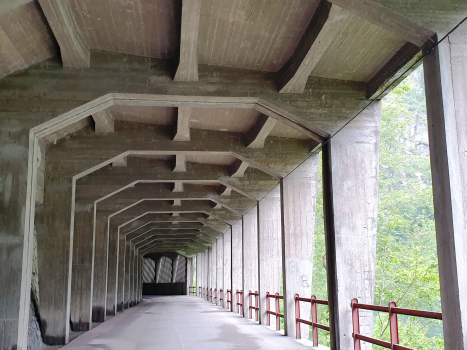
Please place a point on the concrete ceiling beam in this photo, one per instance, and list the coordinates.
(103, 121)
(74, 48)
(238, 168)
(391, 21)
(320, 33)
(257, 135)
(180, 163)
(182, 132)
(188, 60)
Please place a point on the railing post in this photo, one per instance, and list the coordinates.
(256, 306)
(393, 326)
(278, 319)
(298, 329)
(236, 300)
(314, 319)
(356, 324)
(250, 299)
(268, 305)
(243, 303)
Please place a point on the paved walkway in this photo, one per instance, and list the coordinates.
(180, 322)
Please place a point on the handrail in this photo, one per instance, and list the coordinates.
(221, 296)
(200, 289)
(314, 317)
(239, 303)
(192, 290)
(393, 311)
(251, 307)
(276, 313)
(215, 296)
(229, 301)
(210, 294)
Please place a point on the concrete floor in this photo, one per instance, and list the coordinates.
(180, 322)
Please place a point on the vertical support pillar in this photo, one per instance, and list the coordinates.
(54, 247)
(189, 274)
(350, 178)
(175, 268)
(213, 269)
(250, 257)
(298, 207)
(112, 267)
(82, 268)
(446, 96)
(199, 273)
(121, 272)
(227, 264)
(206, 273)
(101, 247)
(270, 247)
(237, 261)
(220, 268)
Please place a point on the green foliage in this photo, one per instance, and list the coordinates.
(407, 264)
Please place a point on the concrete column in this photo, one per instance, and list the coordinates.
(220, 268)
(16, 239)
(237, 261)
(298, 203)
(111, 305)
(126, 289)
(121, 272)
(101, 247)
(270, 249)
(198, 273)
(352, 186)
(54, 240)
(213, 268)
(189, 274)
(227, 264)
(446, 96)
(82, 268)
(250, 257)
(206, 273)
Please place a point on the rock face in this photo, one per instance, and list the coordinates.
(34, 331)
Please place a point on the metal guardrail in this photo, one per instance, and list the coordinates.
(255, 307)
(239, 297)
(192, 290)
(393, 311)
(215, 296)
(221, 296)
(276, 313)
(210, 294)
(229, 301)
(314, 317)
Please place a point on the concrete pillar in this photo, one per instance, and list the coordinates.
(126, 289)
(101, 246)
(237, 261)
(121, 272)
(198, 273)
(270, 249)
(350, 175)
(213, 269)
(16, 239)
(189, 274)
(82, 267)
(220, 268)
(206, 273)
(111, 305)
(298, 203)
(227, 264)
(250, 257)
(446, 96)
(54, 239)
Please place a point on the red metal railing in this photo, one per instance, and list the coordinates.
(255, 307)
(210, 294)
(314, 317)
(221, 296)
(200, 291)
(215, 296)
(393, 311)
(229, 300)
(239, 301)
(275, 313)
(192, 290)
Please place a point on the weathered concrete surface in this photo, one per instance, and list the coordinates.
(250, 257)
(54, 240)
(213, 270)
(237, 261)
(101, 252)
(180, 322)
(446, 84)
(82, 268)
(227, 265)
(298, 195)
(219, 269)
(355, 164)
(270, 250)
